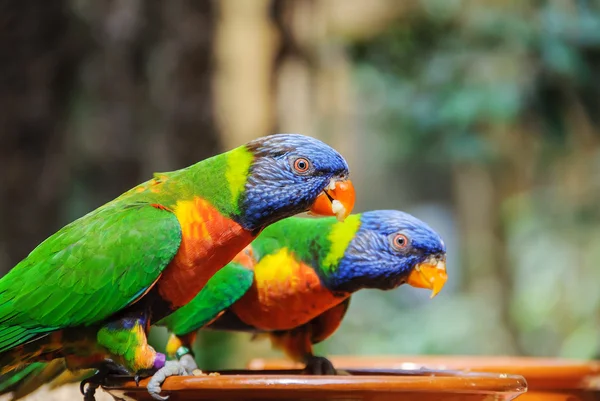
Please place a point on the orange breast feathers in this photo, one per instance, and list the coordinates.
(209, 241)
(285, 293)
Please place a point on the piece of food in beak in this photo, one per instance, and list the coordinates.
(430, 274)
(335, 200)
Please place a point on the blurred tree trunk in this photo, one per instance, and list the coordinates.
(479, 196)
(245, 48)
(145, 102)
(39, 52)
(483, 193)
(88, 113)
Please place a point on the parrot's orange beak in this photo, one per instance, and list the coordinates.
(335, 200)
(430, 274)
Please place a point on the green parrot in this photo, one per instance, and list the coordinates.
(294, 282)
(90, 292)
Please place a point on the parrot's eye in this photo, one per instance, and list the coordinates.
(301, 165)
(399, 241)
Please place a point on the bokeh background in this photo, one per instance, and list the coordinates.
(479, 117)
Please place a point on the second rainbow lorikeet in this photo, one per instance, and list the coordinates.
(90, 291)
(295, 280)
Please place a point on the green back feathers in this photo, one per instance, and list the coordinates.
(220, 180)
(319, 242)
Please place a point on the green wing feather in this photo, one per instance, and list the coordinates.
(87, 271)
(222, 290)
(22, 382)
(25, 381)
(11, 380)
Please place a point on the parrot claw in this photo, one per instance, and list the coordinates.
(90, 392)
(171, 368)
(318, 365)
(95, 381)
(188, 363)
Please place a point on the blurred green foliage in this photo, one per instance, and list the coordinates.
(505, 96)
(444, 76)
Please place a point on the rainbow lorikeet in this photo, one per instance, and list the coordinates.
(295, 280)
(90, 291)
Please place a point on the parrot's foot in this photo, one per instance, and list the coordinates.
(90, 392)
(171, 368)
(318, 365)
(95, 381)
(187, 360)
(188, 363)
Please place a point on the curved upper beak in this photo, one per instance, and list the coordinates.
(430, 274)
(337, 199)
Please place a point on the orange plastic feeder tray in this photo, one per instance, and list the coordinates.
(548, 379)
(361, 384)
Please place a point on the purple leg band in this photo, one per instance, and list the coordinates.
(159, 361)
